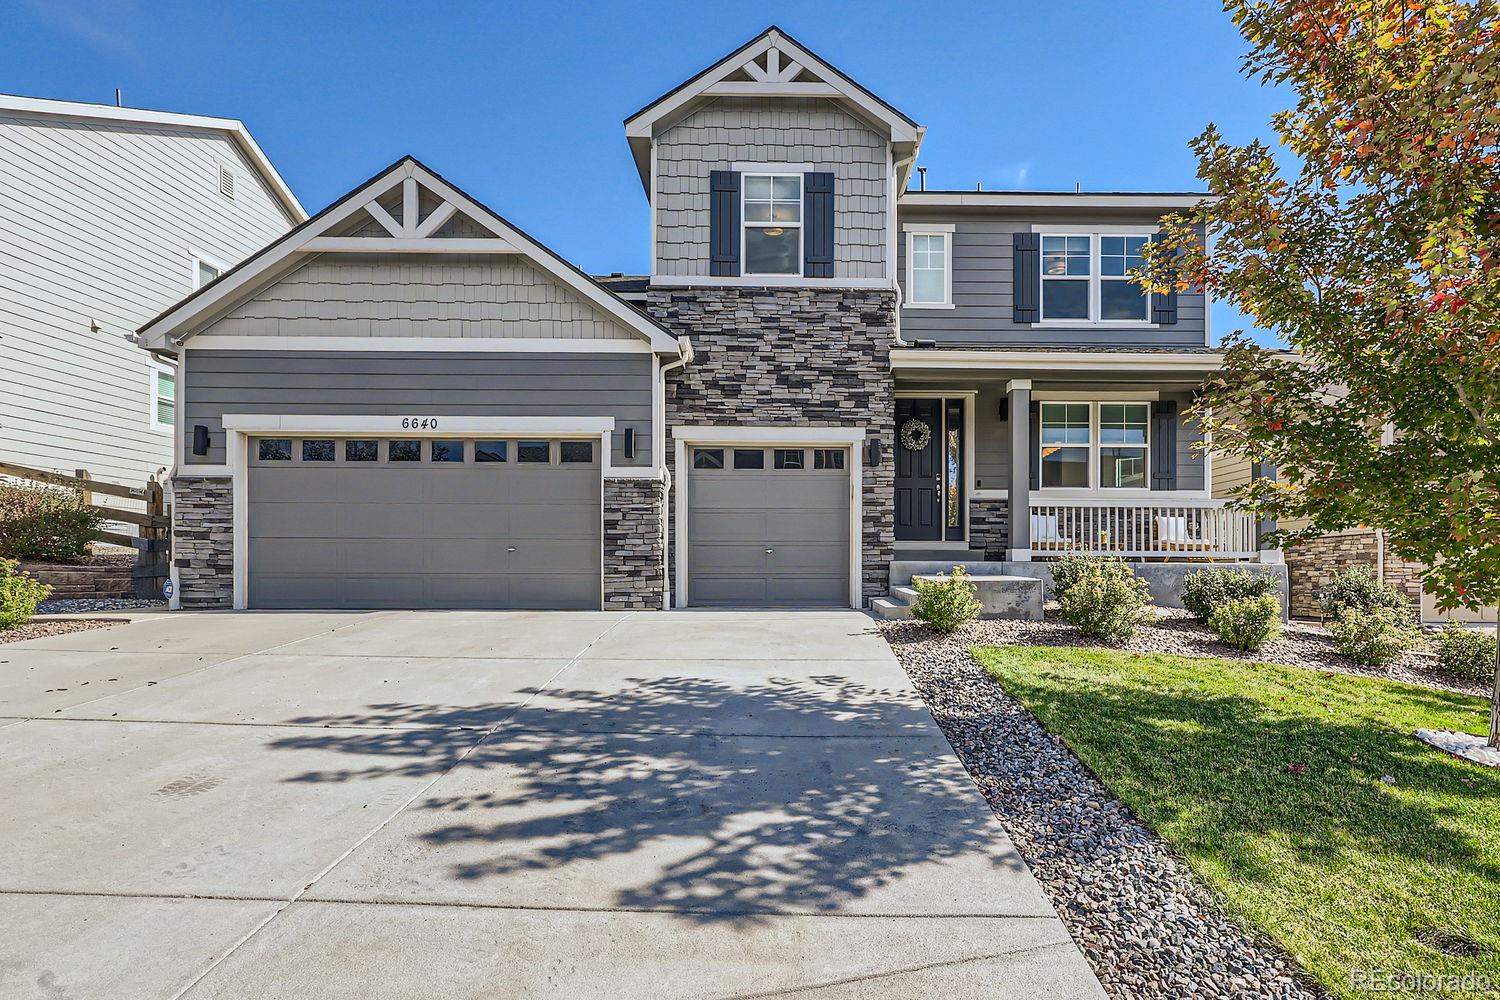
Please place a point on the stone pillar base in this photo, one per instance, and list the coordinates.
(635, 568)
(203, 541)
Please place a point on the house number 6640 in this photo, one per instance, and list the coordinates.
(419, 423)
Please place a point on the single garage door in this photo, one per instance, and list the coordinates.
(768, 526)
(423, 523)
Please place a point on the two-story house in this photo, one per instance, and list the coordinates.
(108, 215)
(408, 402)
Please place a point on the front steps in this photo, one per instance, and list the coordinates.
(1001, 594)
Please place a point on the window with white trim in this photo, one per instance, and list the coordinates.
(1065, 445)
(1086, 278)
(1104, 445)
(162, 397)
(1124, 433)
(206, 273)
(772, 231)
(928, 269)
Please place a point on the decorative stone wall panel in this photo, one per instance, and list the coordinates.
(989, 527)
(1312, 565)
(792, 357)
(634, 548)
(203, 541)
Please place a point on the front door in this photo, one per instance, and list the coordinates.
(919, 481)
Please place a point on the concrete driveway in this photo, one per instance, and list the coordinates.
(468, 804)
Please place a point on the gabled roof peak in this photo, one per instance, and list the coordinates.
(772, 64)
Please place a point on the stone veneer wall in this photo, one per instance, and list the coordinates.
(788, 357)
(203, 541)
(989, 526)
(1312, 565)
(634, 548)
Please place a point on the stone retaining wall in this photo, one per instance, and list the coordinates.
(203, 541)
(634, 546)
(792, 357)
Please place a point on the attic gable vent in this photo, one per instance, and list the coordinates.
(226, 181)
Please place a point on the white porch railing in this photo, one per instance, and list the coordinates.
(1179, 529)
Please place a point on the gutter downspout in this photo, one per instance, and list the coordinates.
(685, 355)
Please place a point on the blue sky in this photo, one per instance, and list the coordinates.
(522, 104)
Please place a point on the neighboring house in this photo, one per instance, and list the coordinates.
(1311, 565)
(109, 215)
(409, 402)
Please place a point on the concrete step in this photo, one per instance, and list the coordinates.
(884, 607)
(938, 552)
(901, 570)
(903, 595)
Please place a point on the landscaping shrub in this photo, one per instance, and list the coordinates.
(19, 595)
(1205, 590)
(947, 604)
(41, 522)
(1070, 569)
(1104, 599)
(1375, 638)
(1466, 652)
(1247, 623)
(1359, 589)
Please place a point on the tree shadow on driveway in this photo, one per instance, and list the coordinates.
(688, 794)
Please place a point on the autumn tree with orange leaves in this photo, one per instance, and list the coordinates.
(1375, 257)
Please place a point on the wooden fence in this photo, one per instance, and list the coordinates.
(153, 547)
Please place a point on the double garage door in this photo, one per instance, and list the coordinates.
(423, 523)
(768, 526)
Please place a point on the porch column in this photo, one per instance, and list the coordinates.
(1018, 393)
(1264, 526)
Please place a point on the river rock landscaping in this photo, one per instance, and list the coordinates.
(1149, 930)
(41, 628)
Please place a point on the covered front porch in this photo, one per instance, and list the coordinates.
(1027, 455)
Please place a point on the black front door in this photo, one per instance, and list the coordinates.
(919, 501)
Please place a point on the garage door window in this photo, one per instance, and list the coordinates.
(447, 451)
(406, 451)
(361, 451)
(789, 458)
(317, 450)
(576, 451)
(828, 458)
(275, 449)
(533, 451)
(708, 458)
(489, 451)
(747, 459)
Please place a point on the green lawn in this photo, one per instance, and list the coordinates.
(1344, 870)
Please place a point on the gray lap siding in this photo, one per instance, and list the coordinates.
(983, 293)
(351, 383)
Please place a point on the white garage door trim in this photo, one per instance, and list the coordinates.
(697, 436)
(239, 427)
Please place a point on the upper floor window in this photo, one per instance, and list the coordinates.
(206, 273)
(929, 266)
(204, 268)
(1086, 277)
(773, 224)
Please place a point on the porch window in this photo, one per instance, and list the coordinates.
(773, 224)
(1123, 430)
(1065, 445)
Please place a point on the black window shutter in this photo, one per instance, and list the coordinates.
(1163, 304)
(1033, 438)
(817, 225)
(1026, 291)
(724, 223)
(1164, 445)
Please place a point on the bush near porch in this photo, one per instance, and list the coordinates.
(1299, 796)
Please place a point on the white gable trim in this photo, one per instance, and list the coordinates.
(180, 323)
(786, 59)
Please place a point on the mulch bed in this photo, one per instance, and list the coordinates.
(1302, 644)
(41, 628)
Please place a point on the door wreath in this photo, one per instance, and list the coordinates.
(915, 435)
